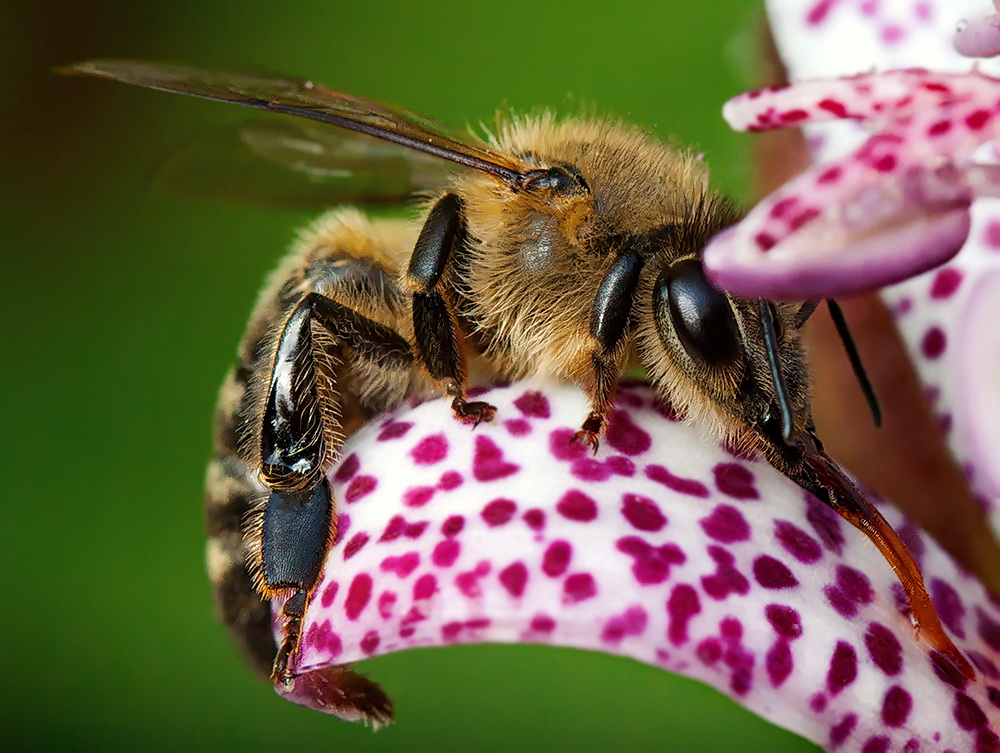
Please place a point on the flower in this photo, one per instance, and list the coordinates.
(664, 547)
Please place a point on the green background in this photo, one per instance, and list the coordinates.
(122, 307)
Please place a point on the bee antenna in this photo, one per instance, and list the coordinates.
(780, 391)
(854, 357)
(804, 312)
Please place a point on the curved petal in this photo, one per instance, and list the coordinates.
(663, 547)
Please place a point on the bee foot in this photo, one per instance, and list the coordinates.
(589, 438)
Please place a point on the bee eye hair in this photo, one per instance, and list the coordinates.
(699, 313)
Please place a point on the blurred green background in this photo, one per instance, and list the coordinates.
(122, 309)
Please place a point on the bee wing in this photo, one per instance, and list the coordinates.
(306, 99)
(298, 164)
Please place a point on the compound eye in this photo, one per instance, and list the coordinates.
(684, 300)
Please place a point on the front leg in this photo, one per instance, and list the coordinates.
(298, 442)
(609, 323)
(435, 327)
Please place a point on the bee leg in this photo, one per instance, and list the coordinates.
(609, 324)
(290, 538)
(435, 326)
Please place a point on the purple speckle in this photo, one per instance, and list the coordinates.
(709, 650)
(488, 463)
(843, 668)
(355, 545)
(945, 283)
(884, 649)
(556, 559)
(418, 496)
(579, 587)
(402, 565)
(726, 524)
(358, 595)
(785, 621)
(535, 519)
(370, 642)
(896, 706)
(991, 235)
(577, 506)
(632, 622)
(726, 579)
(498, 512)
(773, 573)
(589, 469)
(967, 713)
(876, 744)
(430, 450)
(933, 343)
(533, 405)
(842, 730)
(446, 552)
(989, 629)
(949, 606)
(452, 526)
(329, 594)
(779, 662)
(826, 525)
(424, 587)
(517, 427)
(735, 480)
(682, 605)
(851, 590)
(690, 486)
(399, 527)
(542, 623)
(620, 466)
(797, 542)
(651, 564)
(625, 436)
(360, 487)
(348, 467)
(394, 430)
(386, 604)
(514, 578)
(643, 513)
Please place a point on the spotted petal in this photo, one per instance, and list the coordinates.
(664, 547)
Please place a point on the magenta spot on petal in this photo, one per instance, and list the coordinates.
(430, 450)
(402, 565)
(945, 283)
(488, 463)
(833, 107)
(446, 552)
(989, 629)
(842, 730)
(977, 119)
(651, 564)
(575, 505)
(994, 695)
(940, 128)
(642, 513)
(884, 648)
(843, 668)
(589, 469)
(891, 34)
(450, 480)
(735, 480)
(579, 587)
(987, 741)
(355, 545)
(424, 587)
(358, 595)
(726, 524)
(535, 519)
(453, 525)
(876, 744)
(782, 206)
(399, 527)
(896, 706)
(418, 496)
(772, 573)
(765, 241)
(542, 623)
(779, 662)
(818, 12)
(343, 526)
(348, 467)
(406, 630)
(967, 713)
(632, 622)
(534, 405)
(991, 235)
(498, 512)
(726, 579)
(797, 542)
(682, 485)
(386, 604)
(625, 436)
(556, 559)
(806, 215)
(983, 664)
(359, 487)
(329, 594)
(394, 430)
(830, 175)
(620, 466)
(785, 621)
(933, 343)
(517, 427)
(949, 606)
(732, 628)
(370, 642)
(793, 116)
(514, 577)
(709, 650)
(682, 605)
(826, 524)
(885, 164)
(818, 702)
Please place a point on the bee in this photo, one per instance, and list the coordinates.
(565, 248)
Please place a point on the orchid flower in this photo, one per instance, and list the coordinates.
(664, 547)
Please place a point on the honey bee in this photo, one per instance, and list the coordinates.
(565, 248)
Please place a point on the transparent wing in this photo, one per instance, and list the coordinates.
(299, 164)
(306, 99)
